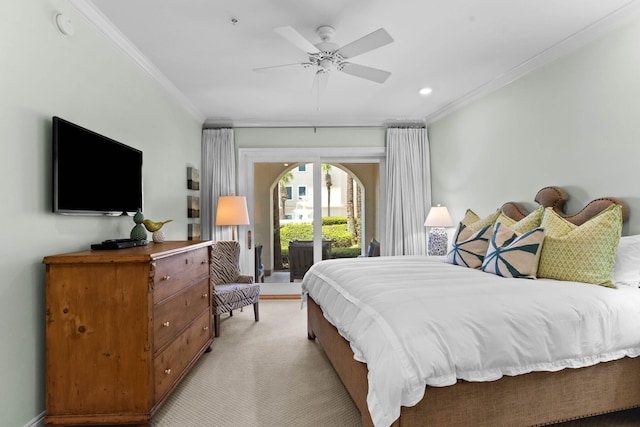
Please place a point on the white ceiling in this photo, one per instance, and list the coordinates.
(462, 49)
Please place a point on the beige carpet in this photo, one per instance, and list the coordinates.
(264, 373)
(268, 373)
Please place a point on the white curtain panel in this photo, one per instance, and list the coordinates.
(408, 197)
(218, 179)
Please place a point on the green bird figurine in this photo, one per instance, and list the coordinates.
(154, 226)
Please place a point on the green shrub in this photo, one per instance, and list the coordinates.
(336, 232)
(339, 235)
(333, 220)
(352, 252)
(291, 232)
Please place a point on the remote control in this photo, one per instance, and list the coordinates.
(117, 240)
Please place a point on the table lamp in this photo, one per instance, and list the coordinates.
(232, 210)
(438, 218)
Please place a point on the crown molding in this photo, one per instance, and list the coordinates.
(89, 11)
(599, 28)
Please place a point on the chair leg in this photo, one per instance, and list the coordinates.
(216, 325)
(256, 312)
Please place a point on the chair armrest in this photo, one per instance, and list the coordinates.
(244, 278)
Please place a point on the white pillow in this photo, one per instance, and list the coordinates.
(626, 269)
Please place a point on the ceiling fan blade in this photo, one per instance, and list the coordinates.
(296, 39)
(297, 64)
(369, 73)
(364, 44)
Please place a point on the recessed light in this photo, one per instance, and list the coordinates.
(425, 91)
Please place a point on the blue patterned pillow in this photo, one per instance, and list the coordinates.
(511, 254)
(469, 246)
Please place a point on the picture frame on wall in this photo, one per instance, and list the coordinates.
(193, 206)
(193, 231)
(193, 178)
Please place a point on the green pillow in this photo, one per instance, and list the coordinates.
(512, 254)
(529, 222)
(584, 253)
(470, 217)
(476, 223)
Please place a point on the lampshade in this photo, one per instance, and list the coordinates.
(439, 217)
(232, 210)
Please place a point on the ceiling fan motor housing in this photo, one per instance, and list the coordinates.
(327, 57)
(325, 32)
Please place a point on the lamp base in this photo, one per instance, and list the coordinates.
(437, 241)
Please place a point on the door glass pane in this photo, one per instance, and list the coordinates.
(340, 230)
(290, 216)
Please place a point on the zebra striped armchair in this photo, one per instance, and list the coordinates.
(231, 290)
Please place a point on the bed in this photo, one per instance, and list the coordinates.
(408, 380)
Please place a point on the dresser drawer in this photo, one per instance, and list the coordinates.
(179, 271)
(173, 314)
(171, 362)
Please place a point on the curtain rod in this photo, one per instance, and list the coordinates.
(417, 126)
(288, 127)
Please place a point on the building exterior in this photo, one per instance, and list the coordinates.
(298, 206)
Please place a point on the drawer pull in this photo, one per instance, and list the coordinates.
(166, 324)
(206, 328)
(167, 371)
(166, 277)
(205, 295)
(203, 262)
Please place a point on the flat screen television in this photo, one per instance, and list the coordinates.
(93, 174)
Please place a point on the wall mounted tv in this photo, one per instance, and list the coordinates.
(93, 174)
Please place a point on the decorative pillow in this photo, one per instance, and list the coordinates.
(512, 254)
(626, 268)
(470, 217)
(508, 221)
(555, 225)
(469, 246)
(529, 222)
(479, 223)
(584, 253)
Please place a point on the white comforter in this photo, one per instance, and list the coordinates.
(417, 321)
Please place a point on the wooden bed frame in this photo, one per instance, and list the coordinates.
(537, 398)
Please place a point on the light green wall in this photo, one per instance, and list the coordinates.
(574, 123)
(87, 80)
(308, 137)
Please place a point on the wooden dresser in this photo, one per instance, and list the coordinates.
(123, 328)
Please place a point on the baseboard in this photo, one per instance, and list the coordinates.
(37, 421)
(279, 296)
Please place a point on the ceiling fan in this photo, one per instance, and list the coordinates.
(327, 55)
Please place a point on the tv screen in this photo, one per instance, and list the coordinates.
(93, 174)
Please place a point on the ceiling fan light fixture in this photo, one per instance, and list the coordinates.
(325, 65)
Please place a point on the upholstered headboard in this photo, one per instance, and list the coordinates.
(556, 197)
